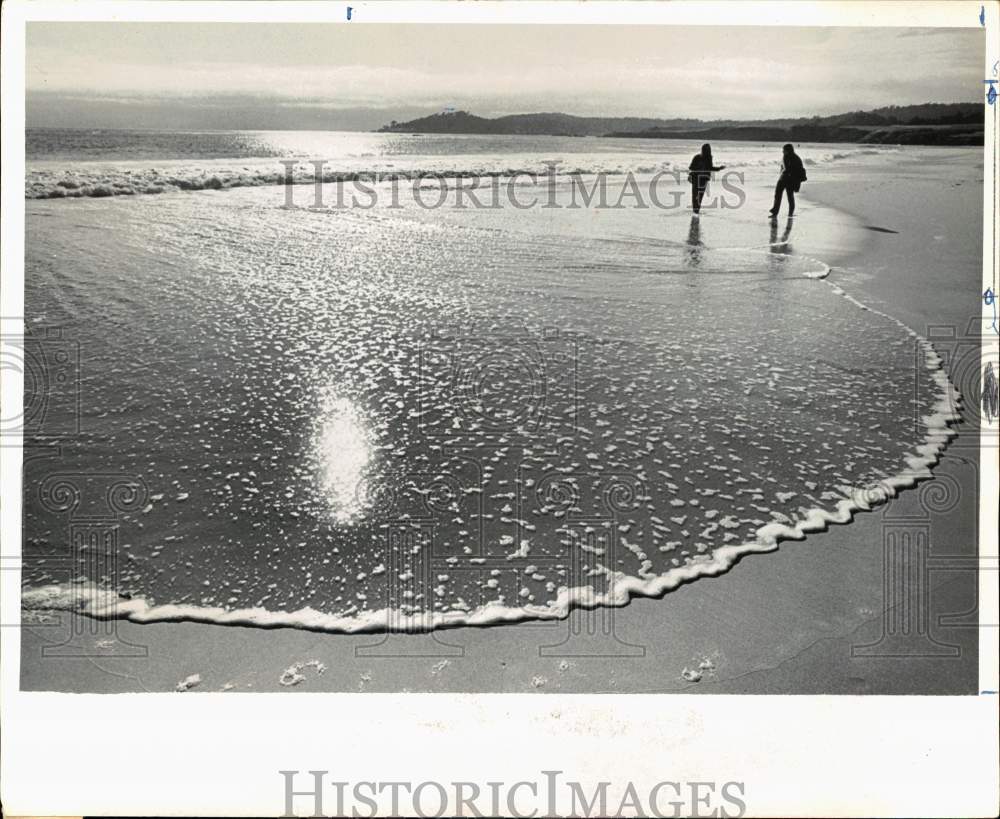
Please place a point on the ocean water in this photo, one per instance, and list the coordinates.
(401, 417)
(78, 163)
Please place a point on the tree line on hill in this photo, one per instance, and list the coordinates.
(925, 124)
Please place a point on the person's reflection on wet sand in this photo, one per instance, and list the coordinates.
(781, 245)
(692, 253)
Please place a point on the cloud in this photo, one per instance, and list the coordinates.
(656, 71)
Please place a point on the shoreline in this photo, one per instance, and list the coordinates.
(701, 656)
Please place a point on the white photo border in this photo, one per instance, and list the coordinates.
(205, 754)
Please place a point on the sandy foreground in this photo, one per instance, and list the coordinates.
(883, 605)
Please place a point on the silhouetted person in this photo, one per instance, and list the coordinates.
(701, 170)
(793, 174)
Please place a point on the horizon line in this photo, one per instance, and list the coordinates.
(447, 112)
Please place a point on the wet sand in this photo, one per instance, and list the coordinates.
(812, 617)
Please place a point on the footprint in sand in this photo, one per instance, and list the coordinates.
(703, 666)
(293, 674)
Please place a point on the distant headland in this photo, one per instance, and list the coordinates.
(927, 124)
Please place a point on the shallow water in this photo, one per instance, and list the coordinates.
(359, 418)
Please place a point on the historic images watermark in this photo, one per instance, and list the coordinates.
(923, 545)
(961, 353)
(94, 506)
(49, 363)
(84, 510)
(547, 795)
(551, 189)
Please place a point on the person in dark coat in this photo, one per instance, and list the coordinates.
(793, 174)
(701, 170)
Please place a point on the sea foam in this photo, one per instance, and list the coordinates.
(89, 179)
(105, 604)
(678, 365)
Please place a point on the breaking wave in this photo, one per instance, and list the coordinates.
(106, 179)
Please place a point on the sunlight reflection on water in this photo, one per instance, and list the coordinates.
(343, 452)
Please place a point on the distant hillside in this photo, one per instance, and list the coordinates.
(926, 124)
(462, 122)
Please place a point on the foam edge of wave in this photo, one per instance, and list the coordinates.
(106, 604)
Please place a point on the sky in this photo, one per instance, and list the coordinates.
(358, 77)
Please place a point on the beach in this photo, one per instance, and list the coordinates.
(680, 362)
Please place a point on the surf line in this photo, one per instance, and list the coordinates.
(106, 604)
